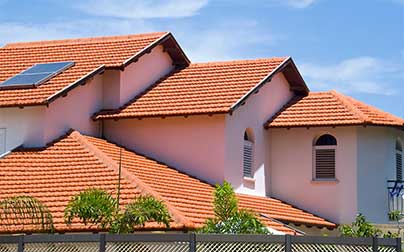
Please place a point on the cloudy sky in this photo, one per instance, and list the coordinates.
(356, 47)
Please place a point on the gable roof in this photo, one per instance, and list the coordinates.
(76, 162)
(331, 109)
(207, 88)
(91, 56)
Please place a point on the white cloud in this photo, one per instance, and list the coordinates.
(140, 9)
(16, 32)
(226, 41)
(355, 75)
(300, 4)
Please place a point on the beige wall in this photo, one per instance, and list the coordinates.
(291, 165)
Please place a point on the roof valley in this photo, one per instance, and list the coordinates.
(177, 215)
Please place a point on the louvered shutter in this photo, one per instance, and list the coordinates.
(247, 159)
(2, 141)
(399, 165)
(325, 163)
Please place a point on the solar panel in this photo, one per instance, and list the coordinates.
(36, 75)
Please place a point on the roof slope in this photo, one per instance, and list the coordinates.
(203, 88)
(77, 162)
(330, 109)
(89, 54)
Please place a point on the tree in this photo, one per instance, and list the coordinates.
(360, 228)
(97, 207)
(25, 211)
(228, 218)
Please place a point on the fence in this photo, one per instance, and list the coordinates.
(193, 243)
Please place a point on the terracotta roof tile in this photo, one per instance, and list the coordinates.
(331, 109)
(75, 162)
(201, 88)
(88, 54)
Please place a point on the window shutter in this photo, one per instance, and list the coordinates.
(247, 159)
(325, 163)
(399, 166)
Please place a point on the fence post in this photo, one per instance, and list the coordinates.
(398, 244)
(192, 242)
(21, 243)
(375, 244)
(288, 243)
(103, 243)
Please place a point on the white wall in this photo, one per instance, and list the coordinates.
(256, 111)
(376, 165)
(138, 76)
(22, 126)
(291, 177)
(194, 145)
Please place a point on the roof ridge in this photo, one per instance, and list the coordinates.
(176, 214)
(82, 40)
(240, 61)
(343, 99)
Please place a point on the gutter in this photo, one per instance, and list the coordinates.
(280, 222)
(255, 89)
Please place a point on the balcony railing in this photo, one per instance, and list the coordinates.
(396, 193)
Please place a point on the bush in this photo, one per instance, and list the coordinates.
(360, 228)
(228, 219)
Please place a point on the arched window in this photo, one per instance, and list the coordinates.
(324, 157)
(399, 160)
(248, 153)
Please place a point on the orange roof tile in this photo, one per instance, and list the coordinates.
(75, 162)
(330, 109)
(203, 88)
(89, 55)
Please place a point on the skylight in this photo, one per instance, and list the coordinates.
(36, 75)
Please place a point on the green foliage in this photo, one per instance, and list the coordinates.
(26, 210)
(97, 207)
(225, 201)
(228, 219)
(395, 215)
(360, 228)
(140, 211)
(93, 206)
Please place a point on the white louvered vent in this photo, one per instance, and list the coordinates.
(325, 163)
(399, 165)
(247, 159)
(2, 141)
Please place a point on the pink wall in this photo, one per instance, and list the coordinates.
(257, 110)
(194, 145)
(291, 165)
(140, 75)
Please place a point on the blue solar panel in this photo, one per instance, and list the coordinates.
(36, 75)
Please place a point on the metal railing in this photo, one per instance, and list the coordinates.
(395, 195)
(192, 243)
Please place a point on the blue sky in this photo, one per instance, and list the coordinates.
(355, 47)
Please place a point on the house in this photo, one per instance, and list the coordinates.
(72, 110)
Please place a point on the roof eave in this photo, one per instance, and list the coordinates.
(289, 69)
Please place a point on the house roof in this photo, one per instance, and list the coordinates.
(330, 109)
(91, 56)
(75, 162)
(207, 88)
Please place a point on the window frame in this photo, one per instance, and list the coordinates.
(316, 147)
(248, 139)
(398, 152)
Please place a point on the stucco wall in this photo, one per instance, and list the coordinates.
(74, 111)
(194, 145)
(291, 177)
(22, 126)
(376, 165)
(139, 75)
(256, 111)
